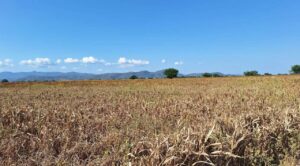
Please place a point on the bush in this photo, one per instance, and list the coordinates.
(282, 74)
(171, 73)
(207, 75)
(251, 73)
(267, 74)
(4, 81)
(133, 77)
(295, 69)
(217, 75)
(212, 75)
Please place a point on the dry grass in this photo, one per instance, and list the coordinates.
(217, 121)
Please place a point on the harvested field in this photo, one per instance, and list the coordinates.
(191, 121)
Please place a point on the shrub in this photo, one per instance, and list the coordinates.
(212, 75)
(171, 73)
(217, 75)
(295, 69)
(207, 75)
(251, 73)
(4, 81)
(133, 77)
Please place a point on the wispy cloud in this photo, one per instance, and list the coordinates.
(58, 61)
(124, 62)
(85, 60)
(108, 64)
(62, 63)
(178, 63)
(63, 67)
(163, 61)
(37, 62)
(6, 63)
(89, 59)
(71, 60)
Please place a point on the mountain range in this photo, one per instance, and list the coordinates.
(59, 76)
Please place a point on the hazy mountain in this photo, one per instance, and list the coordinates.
(201, 74)
(49, 76)
(42, 76)
(140, 74)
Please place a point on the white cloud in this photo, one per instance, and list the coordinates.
(163, 61)
(6, 63)
(178, 63)
(36, 62)
(85, 60)
(131, 62)
(71, 60)
(89, 59)
(122, 60)
(58, 61)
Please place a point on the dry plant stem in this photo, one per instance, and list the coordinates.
(199, 121)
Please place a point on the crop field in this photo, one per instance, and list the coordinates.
(188, 121)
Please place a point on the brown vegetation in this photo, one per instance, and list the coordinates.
(213, 121)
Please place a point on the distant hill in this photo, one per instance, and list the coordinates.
(201, 74)
(59, 76)
(43, 76)
(140, 74)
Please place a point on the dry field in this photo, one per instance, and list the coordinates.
(214, 121)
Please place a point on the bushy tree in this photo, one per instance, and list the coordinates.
(4, 81)
(212, 75)
(267, 74)
(171, 73)
(282, 74)
(251, 73)
(133, 77)
(295, 69)
(207, 75)
(217, 75)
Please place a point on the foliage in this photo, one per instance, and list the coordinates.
(217, 75)
(211, 75)
(207, 75)
(171, 73)
(267, 74)
(4, 81)
(295, 69)
(133, 77)
(251, 73)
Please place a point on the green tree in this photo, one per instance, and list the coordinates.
(133, 77)
(295, 69)
(171, 73)
(251, 73)
(207, 75)
(217, 75)
(4, 81)
(267, 74)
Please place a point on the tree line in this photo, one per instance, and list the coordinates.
(173, 73)
(294, 70)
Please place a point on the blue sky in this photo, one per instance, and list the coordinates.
(100, 36)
